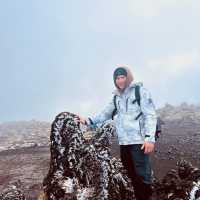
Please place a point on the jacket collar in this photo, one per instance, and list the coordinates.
(131, 85)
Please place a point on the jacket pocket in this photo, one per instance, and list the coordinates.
(141, 123)
(130, 124)
(132, 105)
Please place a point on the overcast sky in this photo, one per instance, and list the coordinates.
(60, 55)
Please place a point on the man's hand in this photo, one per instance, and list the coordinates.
(148, 147)
(82, 120)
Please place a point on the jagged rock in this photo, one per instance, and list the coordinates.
(183, 183)
(83, 169)
(13, 192)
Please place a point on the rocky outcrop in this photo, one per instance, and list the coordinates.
(182, 183)
(83, 169)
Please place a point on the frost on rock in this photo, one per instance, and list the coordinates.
(180, 184)
(83, 168)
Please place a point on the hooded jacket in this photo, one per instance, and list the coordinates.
(129, 129)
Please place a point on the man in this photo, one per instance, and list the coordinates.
(135, 127)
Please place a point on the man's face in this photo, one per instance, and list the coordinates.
(121, 81)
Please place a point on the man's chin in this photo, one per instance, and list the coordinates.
(122, 89)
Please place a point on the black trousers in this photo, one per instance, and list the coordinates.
(138, 167)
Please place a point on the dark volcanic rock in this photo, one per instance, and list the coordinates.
(82, 169)
(182, 183)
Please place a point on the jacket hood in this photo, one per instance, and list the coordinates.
(129, 81)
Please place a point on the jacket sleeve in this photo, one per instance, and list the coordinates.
(103, 116)
(149, 113)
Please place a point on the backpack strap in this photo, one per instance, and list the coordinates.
(137, 99)
(115, 104)
(137, 94)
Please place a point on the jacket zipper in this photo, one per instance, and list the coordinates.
(127, 104)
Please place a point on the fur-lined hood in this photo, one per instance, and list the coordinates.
(129, 82)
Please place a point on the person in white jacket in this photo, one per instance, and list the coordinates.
(135, 126)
